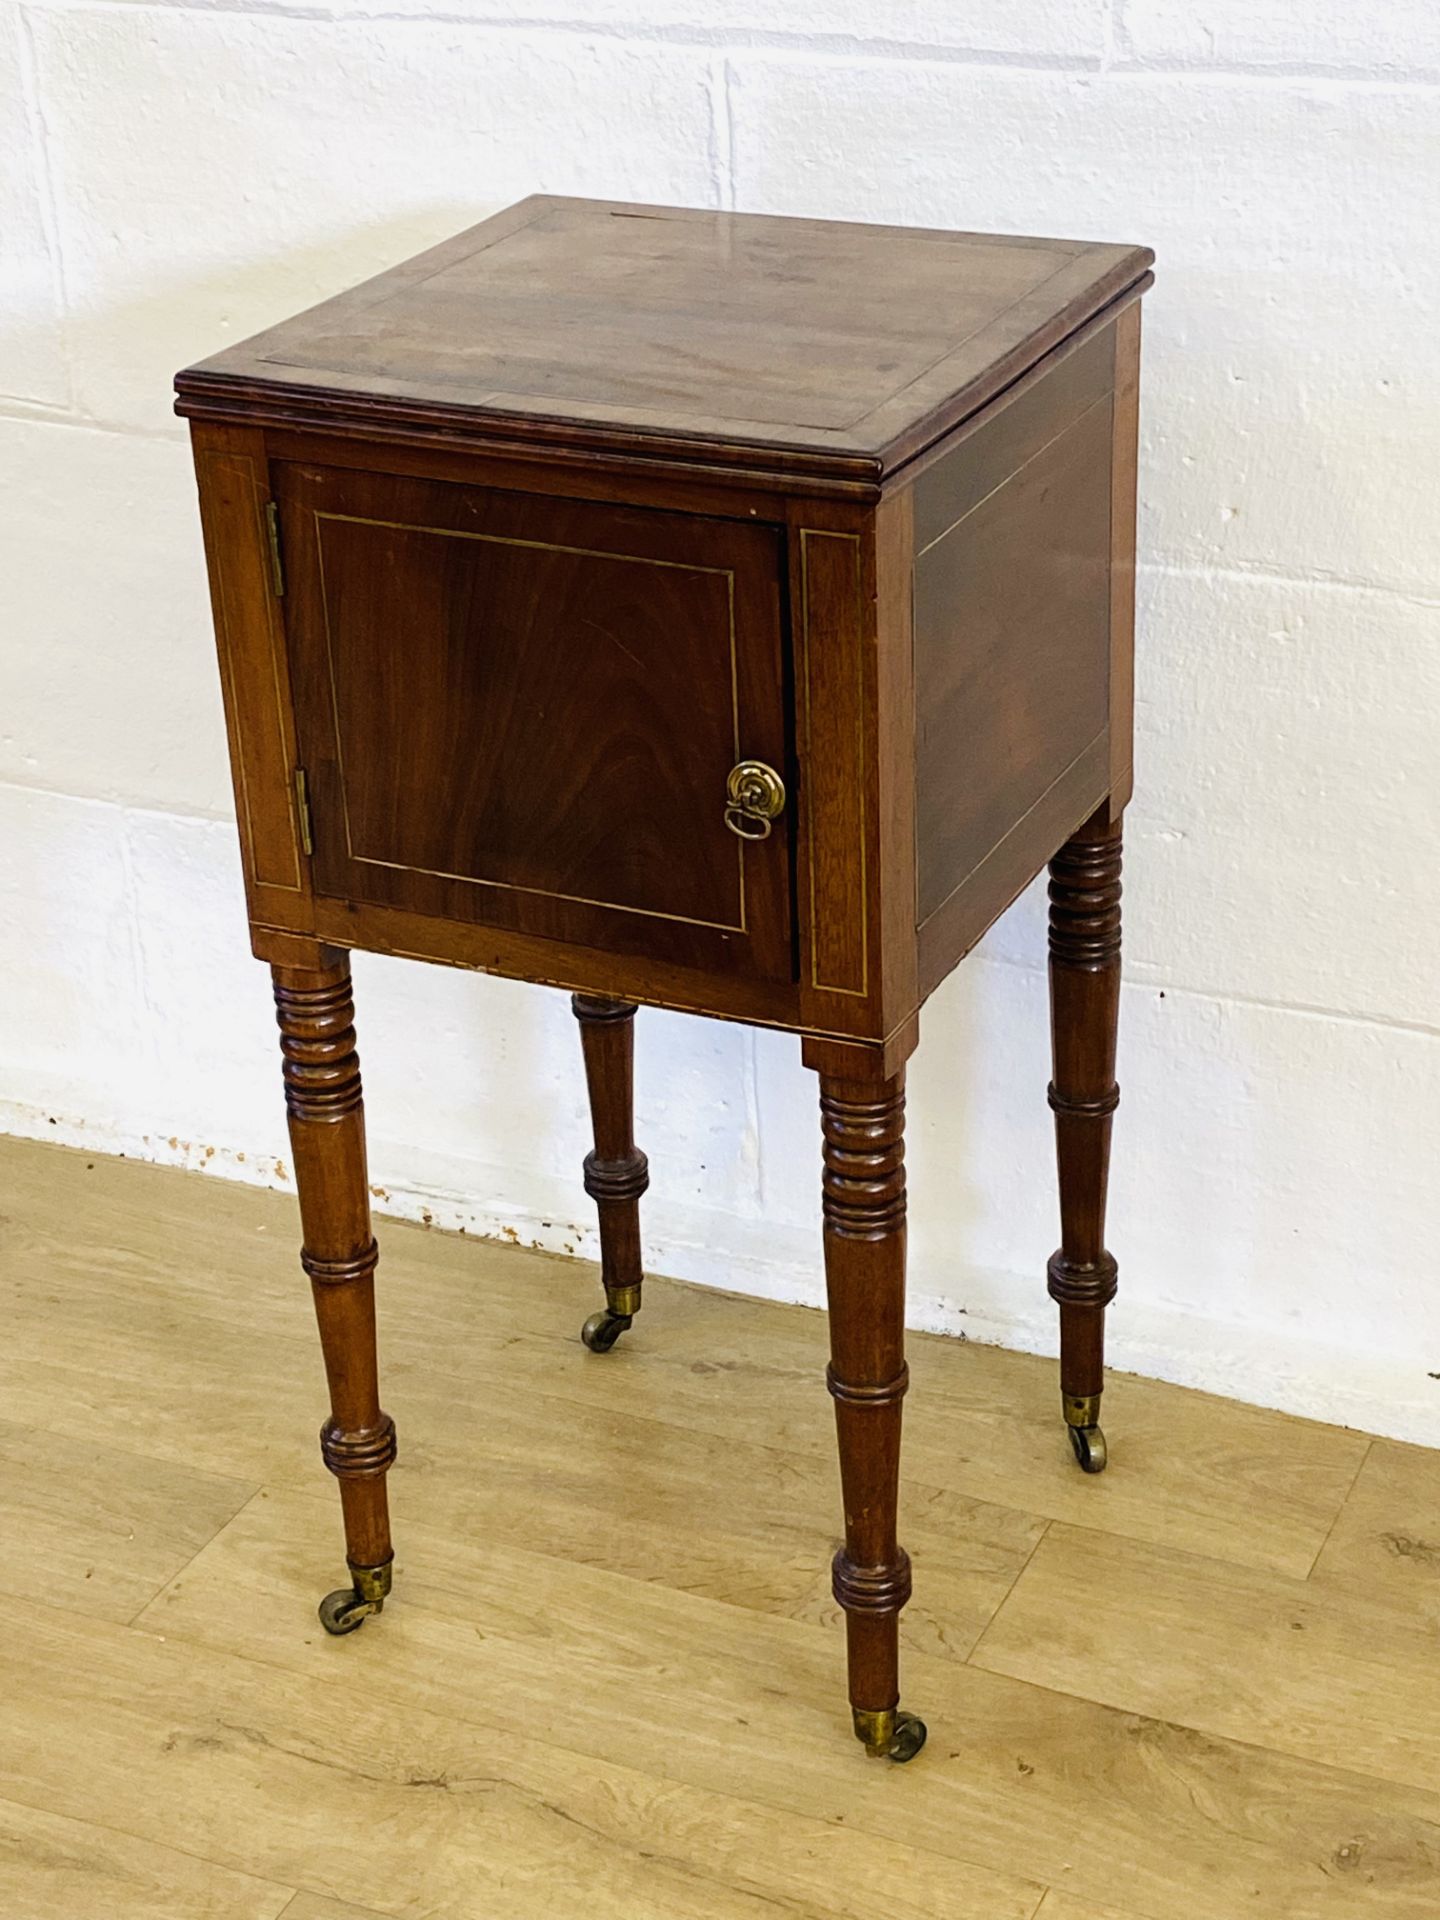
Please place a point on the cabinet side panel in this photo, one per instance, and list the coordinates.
(895, 751)
(1122, 555)
(231, 473)
(1012, 647)
(986, 454)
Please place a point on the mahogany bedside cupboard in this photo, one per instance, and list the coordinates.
(702, 610)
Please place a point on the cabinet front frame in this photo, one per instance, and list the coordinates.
(847, 641)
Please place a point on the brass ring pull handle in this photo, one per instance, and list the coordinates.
(755, 795)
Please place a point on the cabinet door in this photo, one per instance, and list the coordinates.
(521, 711)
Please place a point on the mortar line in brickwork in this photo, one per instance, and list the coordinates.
(43, 413)
(33, 110)
(730, 125)
(634, 33)
(640, 33)
(722, 133)
(1278, 576)
(137, 805)
(1112, 33)
(1305, 1009)
(1133, 66)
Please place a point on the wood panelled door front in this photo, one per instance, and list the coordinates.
(524, 712)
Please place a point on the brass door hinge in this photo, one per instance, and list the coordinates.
(302, 810)
(272, 534)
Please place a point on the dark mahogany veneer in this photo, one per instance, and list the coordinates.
(519, 549)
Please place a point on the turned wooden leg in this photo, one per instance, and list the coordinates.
(616, 1173)
(864, 1209)
(327, 1138)
(1084, 1011)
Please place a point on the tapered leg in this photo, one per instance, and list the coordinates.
(616, 1173)
(864, 1209)
(1084, 1011)
(327, 1138)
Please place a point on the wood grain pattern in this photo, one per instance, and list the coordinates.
(850, 612)
(1386, 1542)
(1084, 976)
(969, 465)
(577, 476)
(403, 1772)
(845, 348)
(1012, 626)
(1005, 872)
(894, 882)
(98, 1530)
(465, 454)
(234, 486)
(52, 1868)
(524, 712)
(1322, 1661)
(557, 963)
(617, 1173)
(863, 1203)
(538, 1467)
(989, 815)
(1124, 480)
(326, 1114)
(121, 1280)
(1032, 1781)
(834, 745)
(1201, 1474)
(1055, 1906)
(309, 1906)
(308, 1769)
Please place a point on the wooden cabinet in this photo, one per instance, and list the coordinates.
(700, 610)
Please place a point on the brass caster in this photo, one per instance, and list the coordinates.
(348, 1607)
(911, 1734)
(603, 1329)
(890, 1734)
(1088, 1446)
(344, 1610)
(1082, 1422)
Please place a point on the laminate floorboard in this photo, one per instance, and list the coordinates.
(610, 1684)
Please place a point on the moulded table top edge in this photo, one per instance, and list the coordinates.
(253, 381)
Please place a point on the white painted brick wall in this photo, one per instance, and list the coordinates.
(174, 176)
(1398, 38)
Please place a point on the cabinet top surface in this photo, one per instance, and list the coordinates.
(654, 328)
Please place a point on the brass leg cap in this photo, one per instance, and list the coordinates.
(603, 1329)
(1082, 1423)
(889, 1734)
(1081, 1409)
(349, 1607)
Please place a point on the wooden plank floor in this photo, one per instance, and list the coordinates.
(610, 1684)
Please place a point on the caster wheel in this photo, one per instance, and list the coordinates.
(343, 1611)
(603, 1329)
(891, 1734)
(911, 1733)
(1088, 1446)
